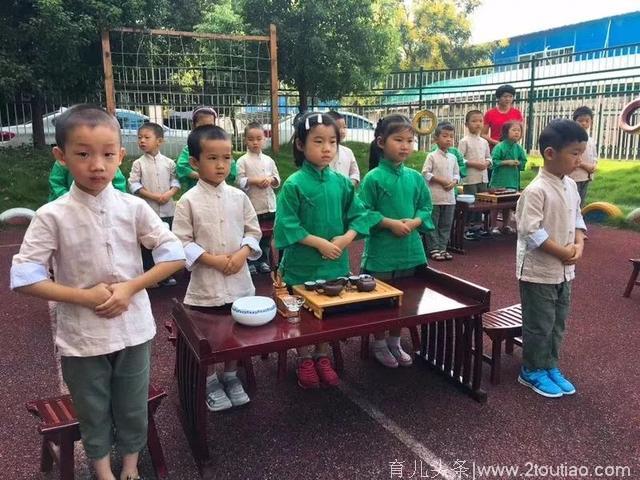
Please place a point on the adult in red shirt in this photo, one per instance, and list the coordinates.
(503, 112)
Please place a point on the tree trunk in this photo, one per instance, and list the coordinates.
(302, 100)
(37, 111)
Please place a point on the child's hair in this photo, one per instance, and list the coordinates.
(252, 126)
(335, 115)
(305, 124)
(504, 133)
(157, 130)
(583, 111)
(386, 127)
(83, 114)
(443, 127)
(202, 112)
(559, 133)
(202, 133)
(470, 114)
(502, 89)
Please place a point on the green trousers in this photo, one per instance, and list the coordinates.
(545, 308)
(110, 394)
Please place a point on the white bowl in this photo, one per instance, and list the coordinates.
(466, 198)
(253, 311)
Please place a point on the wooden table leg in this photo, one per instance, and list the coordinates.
(282, 366)
(192, 377)
(632, 280)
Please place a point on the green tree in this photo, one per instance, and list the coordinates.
(436, 34)
(52, 47)
(327, 48)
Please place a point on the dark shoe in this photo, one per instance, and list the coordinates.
(253, 270)
(470, 235)
(264, 267)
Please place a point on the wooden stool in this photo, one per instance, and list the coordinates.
(59, 429)
(633, 279)
(502, 325)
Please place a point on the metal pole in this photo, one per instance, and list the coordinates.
(275, 107)
(530, 101)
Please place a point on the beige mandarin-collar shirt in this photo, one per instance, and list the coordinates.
(346, 164)
(475, 148)
(158, 175)
(217, 220)
(93, 240)
(549, 208)
(441, 164)
(251, 165)
(590, 157)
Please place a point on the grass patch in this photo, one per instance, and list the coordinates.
(25, 173)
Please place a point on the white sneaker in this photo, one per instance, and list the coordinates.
(403, 358)
(235, 392)
(384, 356)
(217, 399)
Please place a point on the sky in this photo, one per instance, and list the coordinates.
(526, 16)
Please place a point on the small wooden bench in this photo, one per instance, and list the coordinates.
(502, 325)
(60, 430)
(633, 279)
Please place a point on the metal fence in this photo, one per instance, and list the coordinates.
(547, 88)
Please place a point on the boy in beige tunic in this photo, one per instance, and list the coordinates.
(550, 242)
(219, 230)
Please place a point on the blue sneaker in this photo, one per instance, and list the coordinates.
(539, 382)
(565, 385)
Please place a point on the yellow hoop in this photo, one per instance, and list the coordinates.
(431, 124)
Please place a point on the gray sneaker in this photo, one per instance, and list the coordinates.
(236, 392)
(217, 400)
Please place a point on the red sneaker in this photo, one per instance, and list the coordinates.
(307, 375)
(327, 374)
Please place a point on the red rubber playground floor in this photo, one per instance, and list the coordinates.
(382, 424)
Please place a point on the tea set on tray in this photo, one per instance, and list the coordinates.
(333, 288)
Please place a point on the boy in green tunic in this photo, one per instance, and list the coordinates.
(317, 216)
(509, 159)
(188, 176)
(400, 207)
(60, 180)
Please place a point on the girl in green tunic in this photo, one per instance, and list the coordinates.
(317, 216)
(399, 204)
(509, 159)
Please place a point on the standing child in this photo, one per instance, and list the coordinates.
(104, 322)
(186, 174)
(508, 160)
(442, 173)
(400, 207)
(477, 158)
(318, 216)
(153, 177)
(219, 230)
(258, 176)
(345, 161)
(583, 174)
(551, 234)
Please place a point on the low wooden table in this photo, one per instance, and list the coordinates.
(456, 240)
(448, 308)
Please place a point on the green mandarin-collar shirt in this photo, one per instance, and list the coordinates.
(60, 180)
(397, 192)
(504, 176)
(183, 170)
(321, 203)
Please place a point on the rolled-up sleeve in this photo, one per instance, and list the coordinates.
(31, 264)
(183, 230)
(252, 232)
(173, 179)
(427, 168)
(242, 180)
(530, 215)
(135, 177)
(154, 235)
(275, 174)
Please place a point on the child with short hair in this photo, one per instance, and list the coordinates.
(442, 174)
(551, 234)
(477, 158)
(400, 207)
(258, 176)
(583, 174)
(186, 174)
(104, 321)
(153, 177)
(508, 160)
(345, 161)
(219, 229)
(60, 180)
(317, 217)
